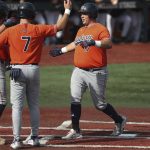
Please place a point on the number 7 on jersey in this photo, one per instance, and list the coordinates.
(27, 39)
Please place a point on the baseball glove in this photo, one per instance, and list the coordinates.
(87, 43)
(10, 22)
(55, 52)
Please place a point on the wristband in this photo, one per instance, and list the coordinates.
(98, 43)
(67, 11)
(64, 50)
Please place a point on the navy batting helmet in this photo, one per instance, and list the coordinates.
(3, 10)
(89, 9)
(26, 10)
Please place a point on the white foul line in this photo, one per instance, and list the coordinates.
(98, 146)
(111, 122)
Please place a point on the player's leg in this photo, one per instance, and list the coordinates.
(32, 89)
(97, 88)
(78, 87)
(3, 97)
(17, 96)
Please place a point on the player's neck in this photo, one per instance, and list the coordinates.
(92, 22)
(25, 21)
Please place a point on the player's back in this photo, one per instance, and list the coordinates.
(26, 41)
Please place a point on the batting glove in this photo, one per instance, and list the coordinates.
(15, 73)
(87, 43)
(10, 22)
(55, 52)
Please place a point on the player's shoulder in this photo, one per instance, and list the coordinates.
(99, 25)
(95, 26)
(42, 26)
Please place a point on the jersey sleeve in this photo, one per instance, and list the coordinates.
(104, 34)
(48, 30)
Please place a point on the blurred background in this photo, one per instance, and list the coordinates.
(127, 20)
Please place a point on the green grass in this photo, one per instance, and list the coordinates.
(128, 86)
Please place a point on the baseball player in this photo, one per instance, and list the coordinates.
(25, 46)
(90, 61)
(4, 55)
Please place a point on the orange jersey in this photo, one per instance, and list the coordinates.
(92, 56)
(25, 42)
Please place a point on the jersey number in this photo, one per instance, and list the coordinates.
(27, 38)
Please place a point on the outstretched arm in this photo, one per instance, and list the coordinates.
(61, 23)
(59, 51)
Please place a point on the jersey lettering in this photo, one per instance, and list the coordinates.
(27, 39)
(82, 38)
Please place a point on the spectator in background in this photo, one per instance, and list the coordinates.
(53, 15)
(114, 19)
(104, 16)
(123, 24)
(39, 18)
(136, 25)
(120, 19)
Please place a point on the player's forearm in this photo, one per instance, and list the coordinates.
(68, 48)
(61, 23)
(106, 43)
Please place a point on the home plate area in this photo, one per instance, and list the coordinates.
(98, 135)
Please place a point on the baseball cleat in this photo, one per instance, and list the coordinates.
(2, 141)
(16, 144)
(31, 140)
(72, 134)
(119, 127)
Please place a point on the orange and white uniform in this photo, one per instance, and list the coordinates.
(90, 66)
(25, 43)
(90, 72)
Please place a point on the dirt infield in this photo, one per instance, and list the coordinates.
(96, 127)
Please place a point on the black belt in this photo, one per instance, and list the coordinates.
(91, 69)
(27, 64)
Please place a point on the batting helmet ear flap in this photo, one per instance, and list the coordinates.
(26, 10)
(3, 10)
(89, 9)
